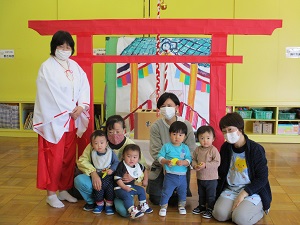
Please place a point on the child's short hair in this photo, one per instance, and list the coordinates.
(178, 127)
(133, 147)
(97, 133)
(232, 119)
(208, 129)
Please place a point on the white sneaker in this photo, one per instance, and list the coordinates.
(135, 213)
(162, 212)
(182, 210)
(145, 208)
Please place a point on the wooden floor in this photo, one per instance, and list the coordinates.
(22, 203)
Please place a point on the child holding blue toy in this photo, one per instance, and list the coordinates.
(175, 157)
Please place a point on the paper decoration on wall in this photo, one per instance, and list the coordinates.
(177, 76)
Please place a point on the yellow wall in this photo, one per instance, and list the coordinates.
(18, 75)
(265, 76)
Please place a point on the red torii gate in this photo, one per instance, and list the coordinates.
(219, 29)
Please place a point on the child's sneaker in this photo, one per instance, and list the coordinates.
(162, 212)
(89, 207)
(109, 210)
(145, 208)
(207, 214)
(181, 210)
(98, 209)
(135, 213)
(200, 209)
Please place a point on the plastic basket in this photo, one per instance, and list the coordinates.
(287, 116)
(263, 115)
(245, 114)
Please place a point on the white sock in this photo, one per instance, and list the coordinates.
(64, 195)
(53, 201)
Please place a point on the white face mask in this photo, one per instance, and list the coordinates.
(62, 55)
(232, 138)
(167, 112)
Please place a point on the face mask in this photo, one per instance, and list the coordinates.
(62, 55)
(232, 138)
(167, 112)
(115, 139)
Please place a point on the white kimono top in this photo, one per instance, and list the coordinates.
(57, 95)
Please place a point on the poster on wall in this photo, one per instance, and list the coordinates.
(173, 77)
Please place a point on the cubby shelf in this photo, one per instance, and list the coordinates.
(283, 130)
(15, 118)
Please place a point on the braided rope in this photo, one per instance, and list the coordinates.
(165, 72)
(157, 70)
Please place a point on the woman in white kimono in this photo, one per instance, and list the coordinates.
(60, 115)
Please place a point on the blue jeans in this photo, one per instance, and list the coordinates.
(83, 184)
(172, 181)
(127, 196)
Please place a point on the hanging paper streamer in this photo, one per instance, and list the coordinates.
(177, 73)
(208, 88)
(203, 122)
(126, 79)
(203, 87)
(180, 108)
(188, 113)
(195, 121)
(119, 83)
(145, 71)
(141, 74)
(182, 77)
(198, 86)
(187, 80)
(150, 69)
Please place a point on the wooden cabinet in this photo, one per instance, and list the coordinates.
(278, 124)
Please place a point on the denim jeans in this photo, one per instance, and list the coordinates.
(207, 192)
(127, 196)
(83, 184)
(172, 182)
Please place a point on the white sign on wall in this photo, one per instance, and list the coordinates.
(99, 51)
(292, 52)
(7, 54)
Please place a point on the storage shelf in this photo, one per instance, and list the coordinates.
(17, 133)
(275, 122)
(260, 120)
(296, 120)
(13, 126)
(25, 113)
